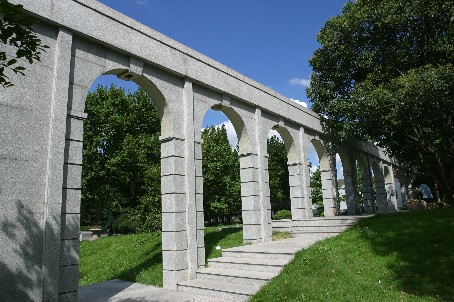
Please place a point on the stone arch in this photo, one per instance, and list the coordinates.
(329, 191)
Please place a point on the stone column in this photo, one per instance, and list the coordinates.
(351, 191)
(174, 209)
(63, 184)
(391, 190)
(329, 190)
(305, 179)
(380, 192)
(262, 165)
(250, 197)
(193, 184)
(199, 205)
(296, 192)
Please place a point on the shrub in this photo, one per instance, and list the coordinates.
(283, 214)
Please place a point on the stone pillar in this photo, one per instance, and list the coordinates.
(250, 197)
(391, 190)
(174, 208)
(329, 190)
(63, 184)
(193, 184)
(367, 189)
(199, 205)
(296, 192)
(380, 192)
(351, 191)
(399, 195)
(262, 165)
(305, 180)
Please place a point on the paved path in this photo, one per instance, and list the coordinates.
(117, 290)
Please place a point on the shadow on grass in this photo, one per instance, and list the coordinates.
(213, 237)
(423, 244)
(132, 273)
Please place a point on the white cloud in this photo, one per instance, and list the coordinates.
(304, 104)
(300, 82)
(274, 133)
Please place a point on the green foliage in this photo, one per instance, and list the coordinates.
(278, 175)
(400, 257)
(16, 30)
(121, 176)
(221, 176)
(390, 63)
(283, 214)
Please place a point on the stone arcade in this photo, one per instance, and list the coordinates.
(41, 138)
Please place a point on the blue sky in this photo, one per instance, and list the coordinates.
(269, 41)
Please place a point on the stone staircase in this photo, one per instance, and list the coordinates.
(241, 271)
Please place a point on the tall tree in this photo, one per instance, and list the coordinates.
(221, 176)
(278, 175)
(390, 63)
(121, 161)
(16, 31)
(316, 186)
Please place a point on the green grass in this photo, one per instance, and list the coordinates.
(138, 258)
(395, 257)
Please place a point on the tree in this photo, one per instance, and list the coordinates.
(316, 186)
(278, 175)
(221, 176)
(384, 73)
(121, 176)
(16, 30)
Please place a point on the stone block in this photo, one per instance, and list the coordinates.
(249, 174)
(74, 129)
(294, 181)
(69, 252)
(251, 217)
(174, 241)
(250, 189)
(172, 203)
(201, 257)
(72, 176)
(73, 152)
(251, 233)
(172, 166)
(200, 221)
(199, 202)
(250, 203)
(248, 161)
(68, 297)
(175, 260)
(198, 151)
(173, 184)
(198, 185)
(200, 238)
(172, 277)
(70, 226)
(172, 148)
(69, 280)
(71, 201)
(198, 167)
(173, 222)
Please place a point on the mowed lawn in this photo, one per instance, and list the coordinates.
(138, 258)
(391, 257)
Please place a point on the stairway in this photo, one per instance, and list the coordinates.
(241, 271)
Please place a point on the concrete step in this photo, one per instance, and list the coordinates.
(242, 252)
(235, 276)
(221, 290)
(248, 264)
(321, 228)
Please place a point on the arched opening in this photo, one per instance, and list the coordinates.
(121, 179)
(326, 184)
(280, 149)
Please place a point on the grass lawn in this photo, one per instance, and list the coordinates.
(138, 258)
(394, 257)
